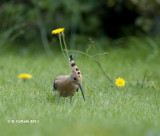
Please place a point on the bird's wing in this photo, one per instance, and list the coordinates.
(58, 80)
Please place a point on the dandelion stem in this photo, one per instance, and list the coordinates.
(64, 42)
(60, 40)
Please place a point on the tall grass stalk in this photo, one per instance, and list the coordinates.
(97, 62)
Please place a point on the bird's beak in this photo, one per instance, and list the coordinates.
(81, 91)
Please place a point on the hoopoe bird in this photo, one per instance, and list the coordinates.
(68, 85)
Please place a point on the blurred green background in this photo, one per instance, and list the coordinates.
(128, 30)
(25, 22)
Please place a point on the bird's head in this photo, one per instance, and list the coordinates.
(76, 75)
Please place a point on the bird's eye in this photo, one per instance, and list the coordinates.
(75, 78)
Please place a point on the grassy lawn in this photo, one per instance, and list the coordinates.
(108, 110)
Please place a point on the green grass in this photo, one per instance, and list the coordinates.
(108, 110)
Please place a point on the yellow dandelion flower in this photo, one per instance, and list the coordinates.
(57, 31)
(24, 76)
(120, 82)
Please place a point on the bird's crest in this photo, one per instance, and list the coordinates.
(75, 70)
